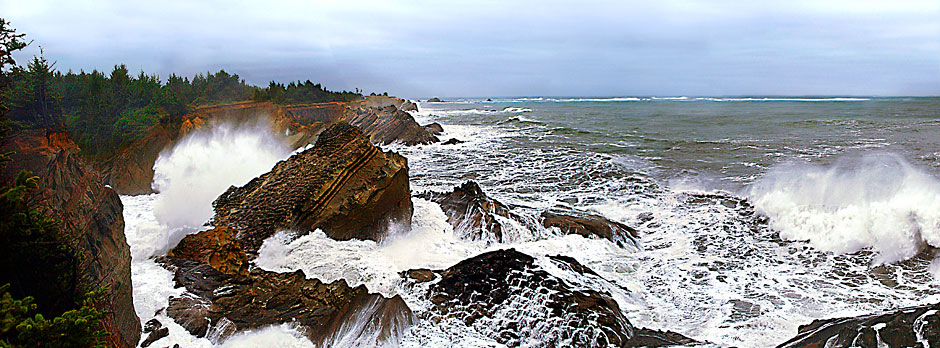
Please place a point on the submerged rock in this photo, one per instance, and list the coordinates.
(90, 213)
(487, 291)
(343, 185)
(590, 226)
(471, 212)
(453, 141)
(906, 327)
(223, 304)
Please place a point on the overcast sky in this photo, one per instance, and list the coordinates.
(502, 48)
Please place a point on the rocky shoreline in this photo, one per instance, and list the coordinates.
(347, 187)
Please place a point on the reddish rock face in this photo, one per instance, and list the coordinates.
(73, 195)
(131, 172)
(343, 185)
(217, 248)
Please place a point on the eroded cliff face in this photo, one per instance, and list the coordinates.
(383, 119)
(72, 193)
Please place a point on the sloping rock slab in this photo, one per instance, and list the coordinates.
(907, 327)
(389, 124)
(471, 212)
(590, 225)
(222, 304)
(343, 185)
(504, 294)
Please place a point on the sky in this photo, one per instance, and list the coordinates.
(419, 49)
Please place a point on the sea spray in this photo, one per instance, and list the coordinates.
(877, 201)
(202, 165)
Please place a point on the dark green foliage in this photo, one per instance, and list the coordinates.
(20, 326)
(300, 93)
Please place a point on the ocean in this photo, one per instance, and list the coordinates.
(755, 214)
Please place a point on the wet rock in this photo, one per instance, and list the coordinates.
(343, 185)
(422, 275)
(471, 212)
(156, 332)
(480, 290)
(324, 310)
(589, 225)
(907, 327)
(217, 248)
(453, 141)
(389, 124)
(435, 128)
(87, 211)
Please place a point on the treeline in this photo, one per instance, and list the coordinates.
(105, 111)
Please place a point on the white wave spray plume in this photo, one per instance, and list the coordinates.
(877, 201)
(203, 164)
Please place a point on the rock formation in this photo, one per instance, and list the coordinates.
(471, 212)
(906, 327)
(343, 185)
(481, 290)
(131, 172)
(435, 128)
(223, 304)
(389, 124)
(91, 213)
(217, 248)
(590, 226)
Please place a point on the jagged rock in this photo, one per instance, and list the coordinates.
(589, 225)
(90, 213)
(390, 124)
(907, 327)
(471, 212)
(343, 185)
(453, 141)
(130, 172)
(479, 290)
(435, 128)
(225, 304)
(422, 275)
(156, 331)
(217, 248)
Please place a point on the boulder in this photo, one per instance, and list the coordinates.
(217, 248)
(435, 128)
(907, 327)
(342, 185)
(155, 330)
(435, 100)
(222, 304)
(481, 290)
(91, 213)
(453, 141)
(589, 225)
(471, 212)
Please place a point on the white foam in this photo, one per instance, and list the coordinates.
(202, 165)
(878, 201)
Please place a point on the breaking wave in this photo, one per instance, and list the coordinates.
(878, 201)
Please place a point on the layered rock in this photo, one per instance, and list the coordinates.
(471, 212)
(343, 185)
(906, 327)
(223, 304)
(486, 291)
(435, 128)
(390, 124)
(217, 248)
(590, 225)
(87, 211)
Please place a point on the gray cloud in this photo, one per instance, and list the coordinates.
(490, 48)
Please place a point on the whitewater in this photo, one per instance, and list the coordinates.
(755, 216)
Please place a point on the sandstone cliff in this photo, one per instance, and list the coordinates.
(91, 213)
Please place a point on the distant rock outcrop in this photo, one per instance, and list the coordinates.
(435, 100)
(343, 185)
(87, 211)
(906, 327)
(480, 290)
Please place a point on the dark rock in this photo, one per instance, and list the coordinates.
(435, 128)
(453, 141)
(263, 298)
(343, 185)
(87, 211)
(484, 286)
(590, 225)
(422, 275)
(906, 327)
(435, 100)
(130, 172)
(156, 331)
(217, 248)
(389, 124)
(471, 212)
